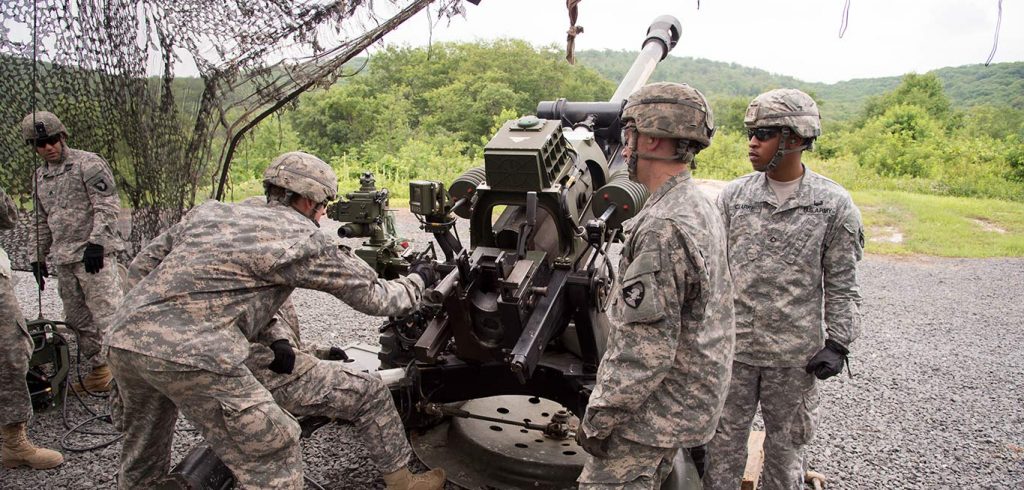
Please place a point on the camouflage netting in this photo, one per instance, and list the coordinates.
(107, 69)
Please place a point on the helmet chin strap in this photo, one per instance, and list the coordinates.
(782, 151)
(634, 157)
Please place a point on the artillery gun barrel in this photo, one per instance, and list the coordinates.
(662, 36)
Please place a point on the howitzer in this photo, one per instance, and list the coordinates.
(521, 309)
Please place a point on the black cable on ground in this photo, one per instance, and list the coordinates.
(78, 429)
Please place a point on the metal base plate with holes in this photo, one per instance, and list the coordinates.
(484, 454)
(363, 357)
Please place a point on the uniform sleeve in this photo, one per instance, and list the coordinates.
(106, 205)
(644, 336)
(337, 271)
(284, 325)
(41, 237)
(152, 254)
(843, 250)
(8, 211)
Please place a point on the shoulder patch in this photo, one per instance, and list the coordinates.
(100, 184)
(633, 295)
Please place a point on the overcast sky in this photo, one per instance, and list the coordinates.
(799, 38)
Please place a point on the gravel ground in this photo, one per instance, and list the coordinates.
(936, 401)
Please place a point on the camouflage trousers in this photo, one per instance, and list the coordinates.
(89, 302)
(629, 465)
(789, 407)
(331, 389)
(15, 353)
(236, 415)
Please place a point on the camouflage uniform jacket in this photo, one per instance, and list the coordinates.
(78, 204)
(794, 267)
(207, 287)
(663, 379)
(8, 220)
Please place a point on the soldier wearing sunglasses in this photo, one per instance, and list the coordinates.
(76, 232)
(794, 241)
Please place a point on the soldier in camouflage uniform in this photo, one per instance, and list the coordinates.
(202, 291)
(663, 378)
(794, 241)
(78, 207)
(15, 353)
(320, 384)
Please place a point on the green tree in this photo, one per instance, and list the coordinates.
(449, 87)
(924, 91)
(903, 141)
(729, 113)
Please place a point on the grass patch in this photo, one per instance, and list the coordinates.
(941, 225)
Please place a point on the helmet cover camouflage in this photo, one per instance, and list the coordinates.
(671, 110)
(303, 174)
(41, 125)
(785, 107)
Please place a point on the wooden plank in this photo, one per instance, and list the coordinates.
(755, 460)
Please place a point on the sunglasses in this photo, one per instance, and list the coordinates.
(44, 142)
(762, 134)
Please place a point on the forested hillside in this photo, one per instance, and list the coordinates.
(1001, 84)
(426, 113)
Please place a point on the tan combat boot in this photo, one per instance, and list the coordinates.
(18, 451)
(403, 479)
(97, 381)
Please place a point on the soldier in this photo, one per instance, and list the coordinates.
(663, 378)
(15, 353)
(794, 241)
(77, 207)
(203, 290)
(320, 385)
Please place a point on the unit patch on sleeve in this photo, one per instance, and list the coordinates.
(633, 294)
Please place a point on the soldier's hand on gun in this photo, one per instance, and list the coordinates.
(284, 357)
(425, 269)
(39, 271)
(337, 354)
(93, 258)
(828, 361)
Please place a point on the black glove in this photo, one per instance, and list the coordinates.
(284, 357)
(425, 269)
(337, 354)
(93, 258)
(828, 361)
(597, 448)
(39, 270)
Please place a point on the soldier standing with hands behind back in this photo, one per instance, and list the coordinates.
(663, 378)
(794, 241)
(76, 232)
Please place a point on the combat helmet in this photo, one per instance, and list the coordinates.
(785, 108)
(790, 110)
(41, 125)
(671, 110)
(303, 174)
